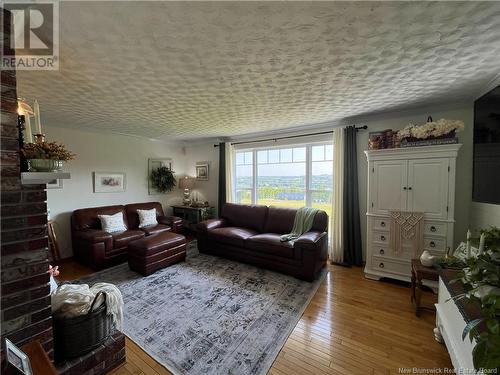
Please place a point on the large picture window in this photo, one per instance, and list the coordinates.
(293, 176)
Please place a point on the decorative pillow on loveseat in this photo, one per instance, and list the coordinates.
(112, 223)
(147, 217)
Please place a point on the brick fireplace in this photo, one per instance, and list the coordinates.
(25, 292)
(25, 304)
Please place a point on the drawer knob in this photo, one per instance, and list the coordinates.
(433, 228)
(381, 265)
(382, 252)
(432, 244)
(382, 224)
(404, 188)
(382, 238)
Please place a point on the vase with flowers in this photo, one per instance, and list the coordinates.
(46, 156)
(432, 132)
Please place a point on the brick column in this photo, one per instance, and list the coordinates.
(25, 291)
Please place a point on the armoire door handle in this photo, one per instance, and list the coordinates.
(409, 188)
(404, 188)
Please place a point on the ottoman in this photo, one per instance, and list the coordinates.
(149, 254)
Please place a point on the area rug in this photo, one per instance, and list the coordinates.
(210, 315)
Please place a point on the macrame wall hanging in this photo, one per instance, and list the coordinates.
(406, 226)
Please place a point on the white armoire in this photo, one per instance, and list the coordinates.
(417, 179)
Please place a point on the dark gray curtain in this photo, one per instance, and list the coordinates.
(222, 176)
(353, 255)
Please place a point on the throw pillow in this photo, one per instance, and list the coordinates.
(147, 218)
(112, 223)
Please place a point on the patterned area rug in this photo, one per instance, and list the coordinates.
(210, 315)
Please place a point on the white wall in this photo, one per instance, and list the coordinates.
(106, 153)
(484, 215)
(463, 194)
(204, 153)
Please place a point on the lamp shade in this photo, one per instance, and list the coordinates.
(186, 183)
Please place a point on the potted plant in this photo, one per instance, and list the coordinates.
(481, 280)
(162, 179)
(46, 156)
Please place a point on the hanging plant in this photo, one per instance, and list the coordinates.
(162, 179)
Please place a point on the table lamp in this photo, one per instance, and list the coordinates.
(186, 183)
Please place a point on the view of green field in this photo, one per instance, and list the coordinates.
(294, 204)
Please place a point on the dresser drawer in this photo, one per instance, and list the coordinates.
(387, 252)
(433, 228)
(385, 265)
(380, 237)
(381, 223)
(434, 243)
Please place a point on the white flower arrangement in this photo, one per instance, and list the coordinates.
(431, 129)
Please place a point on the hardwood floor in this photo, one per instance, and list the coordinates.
(352, 326)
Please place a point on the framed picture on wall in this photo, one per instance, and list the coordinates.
(17, 358)
(202, 171)
(55, 184)
(154, 164)
(109, 182)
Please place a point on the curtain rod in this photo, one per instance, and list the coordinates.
(364, 127)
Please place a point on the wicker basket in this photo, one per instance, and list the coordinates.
(74, 337)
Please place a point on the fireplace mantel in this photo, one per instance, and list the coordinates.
(37, 178)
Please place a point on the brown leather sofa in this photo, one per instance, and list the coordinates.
(251, 234)
(98, 249)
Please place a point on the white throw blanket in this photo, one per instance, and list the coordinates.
(71, 300)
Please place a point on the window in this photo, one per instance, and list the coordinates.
(244, 177)
(289, 176)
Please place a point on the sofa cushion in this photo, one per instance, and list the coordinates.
(113, 223)
(124, 238)
(245, 216)
(133, 217)
(156, 229)
(86, 218)
(231, 235)
(320, 222)
(269, 243)
(147, 217)
(280, 220)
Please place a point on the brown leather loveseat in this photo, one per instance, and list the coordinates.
(98, 249)
(251, 234)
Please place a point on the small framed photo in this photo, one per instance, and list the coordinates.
(109, 182)
(17, 358)
(202, 171)
(55, 184)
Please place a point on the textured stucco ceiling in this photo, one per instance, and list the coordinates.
(203, 69)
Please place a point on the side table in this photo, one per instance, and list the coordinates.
(419, 273)
(192, 215)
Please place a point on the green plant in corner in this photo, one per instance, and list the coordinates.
(481, 280)
(162, 179)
